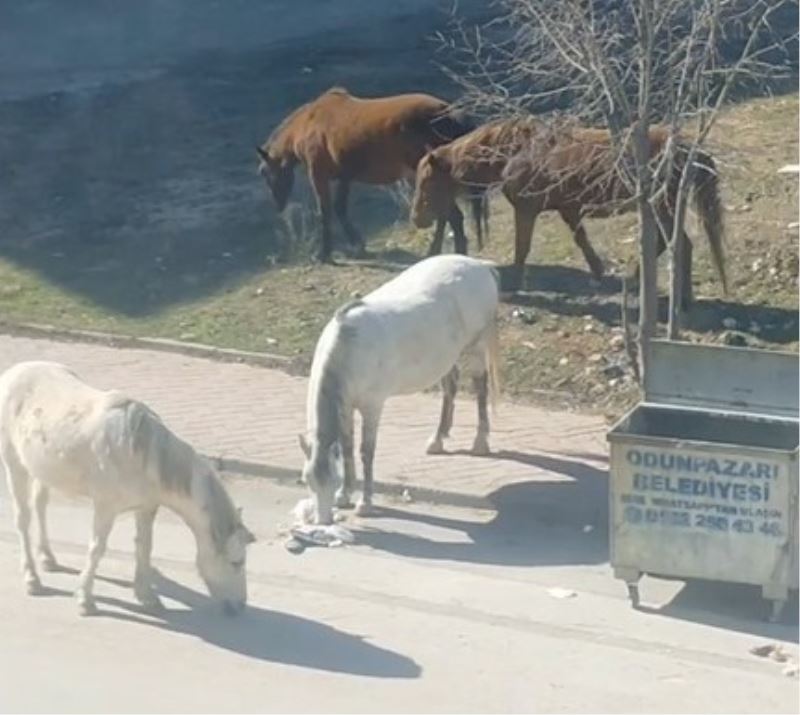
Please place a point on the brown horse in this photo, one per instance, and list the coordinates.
(569, 170)
(339, 137)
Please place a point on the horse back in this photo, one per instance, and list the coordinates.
(378, 140)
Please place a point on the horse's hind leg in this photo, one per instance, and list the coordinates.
(103, 521)
(449, 388)
(41, 496)
(143, 577)
(354, 238)
(524, 220)
(572, 218)
(480, 381)
(18, 485)
(370, 419)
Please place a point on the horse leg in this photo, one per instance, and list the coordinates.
(524, 220)
(320, 185)
(143, 576)
(456, 220)
(449, 388)
(41, 495)
(687, 297)
(572, 218)
(103, 521)
(354, 238)
(480, 381)
(438, 238)
(370, 419)
(18, 482)
(343, 496)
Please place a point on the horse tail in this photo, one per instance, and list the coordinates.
(709, 207)
(493, 361)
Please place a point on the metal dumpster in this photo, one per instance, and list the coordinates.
(704, 471)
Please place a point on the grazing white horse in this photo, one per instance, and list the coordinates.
(401, 338)
(56, 431)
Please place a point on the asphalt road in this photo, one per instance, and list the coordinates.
(388, 624)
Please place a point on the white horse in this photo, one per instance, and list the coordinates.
(56, 431)
(401, 338)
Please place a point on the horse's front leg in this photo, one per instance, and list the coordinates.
(18, 485)
(369, 432)
(41, 496)
(456, 221)
(321, 186)
(449, 388)
(104, 518)
(480, 446)
(143, 578)
(343, 496)
(438, 237)
(524, 220)
(354, 238)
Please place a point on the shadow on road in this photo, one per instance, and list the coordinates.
(266, 635)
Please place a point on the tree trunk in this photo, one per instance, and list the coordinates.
(648, 281)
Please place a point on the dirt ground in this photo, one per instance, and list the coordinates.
(134, 206)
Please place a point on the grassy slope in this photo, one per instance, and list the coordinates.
(559, 339)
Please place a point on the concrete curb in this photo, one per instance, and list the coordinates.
(116, 340)
(291, 477)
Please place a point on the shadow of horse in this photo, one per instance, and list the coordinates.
(264, 635)
(537, 523)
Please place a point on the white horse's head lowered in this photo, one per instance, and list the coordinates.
(221, 559)
(323, 472)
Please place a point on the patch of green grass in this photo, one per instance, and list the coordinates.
(562, 344)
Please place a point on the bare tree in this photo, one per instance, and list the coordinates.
(628, 64)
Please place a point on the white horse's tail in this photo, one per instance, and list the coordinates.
(493, 362)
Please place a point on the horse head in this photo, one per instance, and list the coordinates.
(221, 558)
(434, 191)
(279, 175)
(323, 473)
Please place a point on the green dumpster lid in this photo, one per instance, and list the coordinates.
(761, 382)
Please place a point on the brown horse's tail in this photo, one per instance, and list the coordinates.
(709, 207)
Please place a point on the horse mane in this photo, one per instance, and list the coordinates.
(176, 464)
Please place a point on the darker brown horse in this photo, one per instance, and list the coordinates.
(342, 138)
(569, 170)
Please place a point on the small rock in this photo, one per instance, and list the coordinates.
(259, 291)
(189, 337)
(597, 357)
(588, 328)
(763, 651)
(615, 370)
(757, 265)
(617, 342)
(309, 287)
(271, 341)
(562, 593)
(729, 323)
(735, 339)
(613, 382)
(355, 295)
(563, 361)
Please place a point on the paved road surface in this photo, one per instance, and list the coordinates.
(423, 614)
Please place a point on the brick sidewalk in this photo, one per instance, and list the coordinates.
(250, 418)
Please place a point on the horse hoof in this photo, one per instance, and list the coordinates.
(34, 588)
(48, 563)
(151, 603)
(480, 448)
(87, 608)
(435, 446)
(365, 509)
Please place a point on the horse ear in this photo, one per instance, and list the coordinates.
(304, 446)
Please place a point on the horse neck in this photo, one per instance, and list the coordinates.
(326, 407)
(204, 508)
